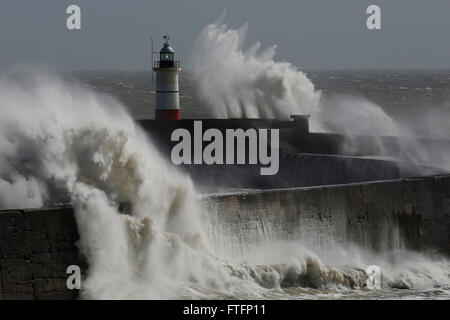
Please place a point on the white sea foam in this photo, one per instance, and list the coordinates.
(247, 82)
(239, 82)
(61, 143)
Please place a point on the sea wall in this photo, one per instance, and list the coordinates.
(305, 158)
(409, 213)
(37, 246)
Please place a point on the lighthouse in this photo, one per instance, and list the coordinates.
(167, 90)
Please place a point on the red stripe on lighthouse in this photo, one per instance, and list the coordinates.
(168, 114)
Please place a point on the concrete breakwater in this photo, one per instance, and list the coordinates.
(409, 214)
(37, 246)
(305, 158)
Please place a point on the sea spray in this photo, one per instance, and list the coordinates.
(67, 144)
(245, 83)
(235, 82)
(60, 143)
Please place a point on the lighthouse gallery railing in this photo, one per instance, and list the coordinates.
(166, 64)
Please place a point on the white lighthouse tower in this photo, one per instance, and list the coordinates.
(167, 90)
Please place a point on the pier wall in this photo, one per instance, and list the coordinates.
(37, 246)
(409, 213)
(305, 158)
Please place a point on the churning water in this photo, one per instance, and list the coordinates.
(60, 143)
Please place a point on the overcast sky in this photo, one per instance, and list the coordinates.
(312, 34)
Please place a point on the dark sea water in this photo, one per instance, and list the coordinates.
(407, 96)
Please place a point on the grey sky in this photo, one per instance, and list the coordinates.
(312, 34)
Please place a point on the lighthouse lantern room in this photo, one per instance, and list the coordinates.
(167, 90)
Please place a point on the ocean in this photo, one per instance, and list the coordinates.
(411, 97)
(408, 97)
(76, 140)
(71, 138)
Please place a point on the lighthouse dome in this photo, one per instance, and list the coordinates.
(166, 55)
(166, 49)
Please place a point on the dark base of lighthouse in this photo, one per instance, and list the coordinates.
(167, 115)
